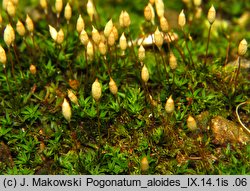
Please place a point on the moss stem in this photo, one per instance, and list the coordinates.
(177, 48)
(189, 52)
(17, 59)
(7, 79)
(164, 63)
(208, 39)
(237, 74)
(12, 66)
(99, 123)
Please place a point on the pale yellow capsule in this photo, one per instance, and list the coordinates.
(96, 90)
(29, 24)
(95, 35)
(197, 3)
(3, 57)
(15, 2)
(211, 15)
(84, 37)
(11, 9)
(115, 31)
(111, 39)
(59, 7)
(243, 20)
(53, 32)
(182, 19)
(123, 42)
(141, 53)
(172, 61)
(102, 48)
(148, 12)
(108, 28)
(80, 24)
(124, 19)
(20, 28)
(144, 164)
(164, 24)
(9, 35)
(153, 13)
(90, 9)
(90, 50)
(152, 101)
(158, 37)
(73, 97)
(159, 6)
(43, 4)
(242, 48)
(144, 74)
(67, 12)
(191, 123)
(66, 110)
(33, 69)
(121, 22)
(60, 37)
(112, 86)
(5, 4)
(169, 106)
(151, 2)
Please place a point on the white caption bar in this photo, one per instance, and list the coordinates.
(125, 182)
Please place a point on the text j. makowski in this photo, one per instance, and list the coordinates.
(52, 182)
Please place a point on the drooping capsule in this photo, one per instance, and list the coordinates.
(172, 61)
(182, 19)
(211, 15)
(108, 28)
(84, 37)
(9, 35)
(29, 24)
(66, 110)
(144, 74)
(169, 106)
(80, 24)
(123, 42)
(3, 57)
(191, 123)
(90, 9)
(141, 53)
(96, 90)
(73, 97)
(95, 35)
(112, 86)
(90, 50)
(158, 37)
(68, 12)
(53, 32)
(60, 37)
(20, 28)
(242, 48)
(59, 7)
(144, 164)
